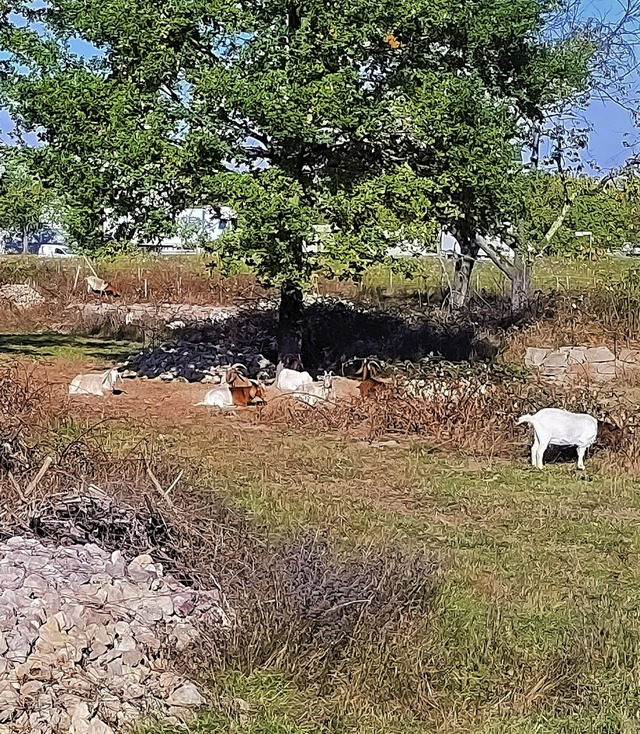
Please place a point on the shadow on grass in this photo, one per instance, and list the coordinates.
(70, 346)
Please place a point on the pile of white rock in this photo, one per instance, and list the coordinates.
(20, 295)
(85, 639)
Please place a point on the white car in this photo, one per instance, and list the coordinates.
(54, 250)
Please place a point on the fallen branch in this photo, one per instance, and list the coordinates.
(158, 486)
(154, 480)
(38, 477)
(173, 484)
(16, 486)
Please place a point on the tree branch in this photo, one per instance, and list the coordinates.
(503, 265)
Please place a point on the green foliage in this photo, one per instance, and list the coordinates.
(382, 120)
(24, 201)
(275, 225)
(610, 213)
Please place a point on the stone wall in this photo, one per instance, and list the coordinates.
(583, 364)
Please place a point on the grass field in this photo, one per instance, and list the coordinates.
(536, 624)
(533, 622)
(189, 279)
(548, 274)
(65, 346)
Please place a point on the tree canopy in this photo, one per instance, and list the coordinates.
(383, 120)
(611, 213)
(24, 201)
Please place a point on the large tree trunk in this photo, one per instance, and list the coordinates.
(464, 267)
(25, 242)
(290, 319)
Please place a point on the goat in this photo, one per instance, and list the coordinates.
(369, 385)
(219, 397)
(288, 362)
(100, 286)
(312, 392)
(244, 392)
(290, 380)
(556, 427)
(609, 436)
(108, 381)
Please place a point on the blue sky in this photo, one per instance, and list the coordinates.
(612, 123)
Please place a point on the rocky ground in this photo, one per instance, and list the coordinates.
(86, 639)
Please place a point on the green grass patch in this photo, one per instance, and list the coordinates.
(266, 702)
(535, 624)
(537, 616)
(66, 346)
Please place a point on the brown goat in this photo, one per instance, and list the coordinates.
(245, 396)
(103, 287)
(609, 436)
(369, 385)
(244, 392)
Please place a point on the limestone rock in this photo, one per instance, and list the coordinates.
(20, 295)
(629, 355)
(82, 637)
(534, 356)
(186, 695)
(556, 359)
(600, 354)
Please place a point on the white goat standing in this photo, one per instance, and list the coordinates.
(291, 380)
(106, 382)
(313, 392)
(556, 427)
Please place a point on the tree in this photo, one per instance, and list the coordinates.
(558, 140)
(24, 201)
(606, 212)
(380, 119)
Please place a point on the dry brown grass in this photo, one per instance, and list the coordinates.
(581, 319)
(474, 415)
(152, 281)
(161, 280)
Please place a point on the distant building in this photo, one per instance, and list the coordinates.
(197, 224)
(193, 227)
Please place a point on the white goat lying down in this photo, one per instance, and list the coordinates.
(314, 392)
(218, 397)
(108, 381)
(556, 427)
(291, 380)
